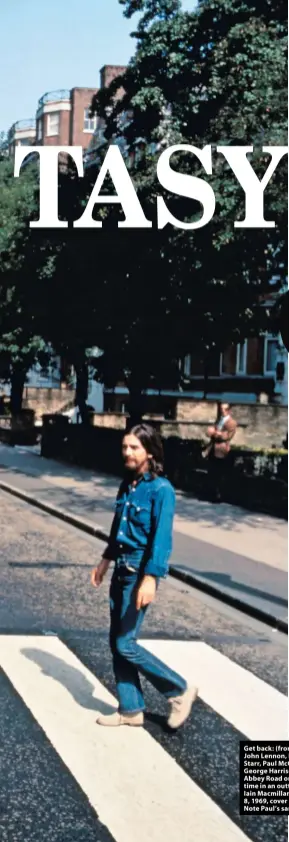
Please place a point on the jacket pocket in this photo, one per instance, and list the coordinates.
(128, 569)
(140, 515)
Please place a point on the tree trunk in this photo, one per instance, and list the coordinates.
(81, 391)
(17, 388)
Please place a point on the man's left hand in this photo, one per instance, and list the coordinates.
(146, 592)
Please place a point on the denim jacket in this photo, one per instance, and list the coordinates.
(143, 523)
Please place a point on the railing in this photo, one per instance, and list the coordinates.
(20, 126)
(25, 124)
(54, 96)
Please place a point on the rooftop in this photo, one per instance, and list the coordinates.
(54, 96)
(21, 125)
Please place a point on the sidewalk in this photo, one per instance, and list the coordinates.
(239, 553)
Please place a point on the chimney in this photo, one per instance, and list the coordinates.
(110, 72)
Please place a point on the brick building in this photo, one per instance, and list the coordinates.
(62, 118)
(107, 74)
(110, 72)
(255, 371)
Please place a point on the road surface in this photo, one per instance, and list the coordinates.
(241, 554)
(63, 779)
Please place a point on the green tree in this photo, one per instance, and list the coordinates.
(213, 76)
(23, 261)
(3, 145)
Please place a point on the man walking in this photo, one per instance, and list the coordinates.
(140, 544)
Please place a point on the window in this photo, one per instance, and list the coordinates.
(52, 124)
(241, 362)
(194, 365)
(234, 359)
(187, 365)
(90, 123)
(271, 353)
(26, 141)
(39, 130)
(255, 356)
(229, 360)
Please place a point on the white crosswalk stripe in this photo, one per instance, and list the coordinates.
(252, 706)
(136, 788)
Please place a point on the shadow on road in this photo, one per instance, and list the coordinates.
(46, 565)
(225, 580)
(75, 682)
(79, 687)
(95, 491)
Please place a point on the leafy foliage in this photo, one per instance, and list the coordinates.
(213, 76)
(23, 259)
(216, 75)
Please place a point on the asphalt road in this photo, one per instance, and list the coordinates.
(45, 590)
(261, 585)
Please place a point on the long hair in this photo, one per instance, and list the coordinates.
(152, 443)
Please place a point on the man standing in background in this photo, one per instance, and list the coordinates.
(221, 435)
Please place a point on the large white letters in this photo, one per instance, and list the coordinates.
(185, 185)
(126, 195)
(48, 164)
(254, 189)
(180, 184)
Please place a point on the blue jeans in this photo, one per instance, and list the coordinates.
(130, 659)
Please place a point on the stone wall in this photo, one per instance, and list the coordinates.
(258, 425)
(110, 420)
(44, 401)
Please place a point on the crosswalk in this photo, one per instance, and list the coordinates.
(136, 788)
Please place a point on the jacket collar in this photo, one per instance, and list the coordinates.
(143, 478)
(146, 477)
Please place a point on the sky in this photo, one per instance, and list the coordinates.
(46, 45)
